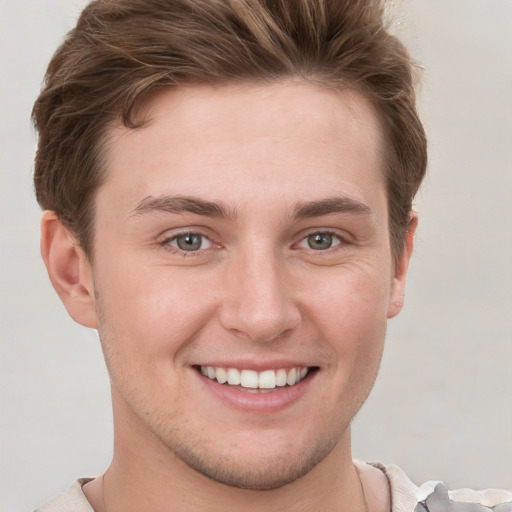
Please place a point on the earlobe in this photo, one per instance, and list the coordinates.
(396, 301)
(69, 270)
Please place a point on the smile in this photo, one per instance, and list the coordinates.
(251, 379)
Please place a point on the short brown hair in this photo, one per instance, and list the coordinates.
(122, 51)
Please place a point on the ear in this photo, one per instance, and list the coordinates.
(396, 299)
(69, 270)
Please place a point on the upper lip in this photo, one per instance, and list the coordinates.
(258, 366)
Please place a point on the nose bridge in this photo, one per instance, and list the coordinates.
(259, 301)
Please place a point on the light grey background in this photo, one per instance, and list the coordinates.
(442, 407)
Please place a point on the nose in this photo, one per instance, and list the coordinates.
(258, 302)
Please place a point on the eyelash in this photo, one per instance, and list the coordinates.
(337, 240)
(167, 243)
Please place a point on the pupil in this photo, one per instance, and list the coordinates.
(320, 241)
(189, 242)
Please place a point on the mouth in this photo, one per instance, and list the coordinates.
(252, 381)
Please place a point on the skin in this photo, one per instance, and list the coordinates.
(280, 163)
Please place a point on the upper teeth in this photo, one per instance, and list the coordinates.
(267, 379)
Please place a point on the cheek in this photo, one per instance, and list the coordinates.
(349, 320)
(352, 300)
(351, 315)
(152, 313)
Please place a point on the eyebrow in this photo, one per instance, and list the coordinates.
(330, 205)
(303, 210)
(183, 204)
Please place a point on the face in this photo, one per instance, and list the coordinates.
(243, 277)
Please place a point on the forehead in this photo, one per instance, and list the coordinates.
(297, 136)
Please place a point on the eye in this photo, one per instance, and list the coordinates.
(190, 242)
(320, 241)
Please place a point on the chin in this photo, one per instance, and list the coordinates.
(264, 470)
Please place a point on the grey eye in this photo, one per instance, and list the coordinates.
(190, 242)
(320, 241)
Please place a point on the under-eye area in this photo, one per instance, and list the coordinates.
(252, 380)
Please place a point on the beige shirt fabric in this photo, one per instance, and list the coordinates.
(73, 500)
(404, 494)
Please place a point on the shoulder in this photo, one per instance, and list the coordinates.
(73, 500)
(434, 496)
(441, 499)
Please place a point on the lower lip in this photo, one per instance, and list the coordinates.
(273, 401)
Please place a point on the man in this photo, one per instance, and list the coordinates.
(228, 190)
